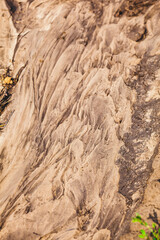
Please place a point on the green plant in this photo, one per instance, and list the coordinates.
(151, 232)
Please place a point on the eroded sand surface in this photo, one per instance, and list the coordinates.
(82, 137)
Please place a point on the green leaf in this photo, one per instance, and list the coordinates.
(138, 215)
(143, 232)
(141, 236)
(134, 220)
(153, 225)
(145, 224)
(155, 234)
(137, 219)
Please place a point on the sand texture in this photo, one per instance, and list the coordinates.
(79, 153)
